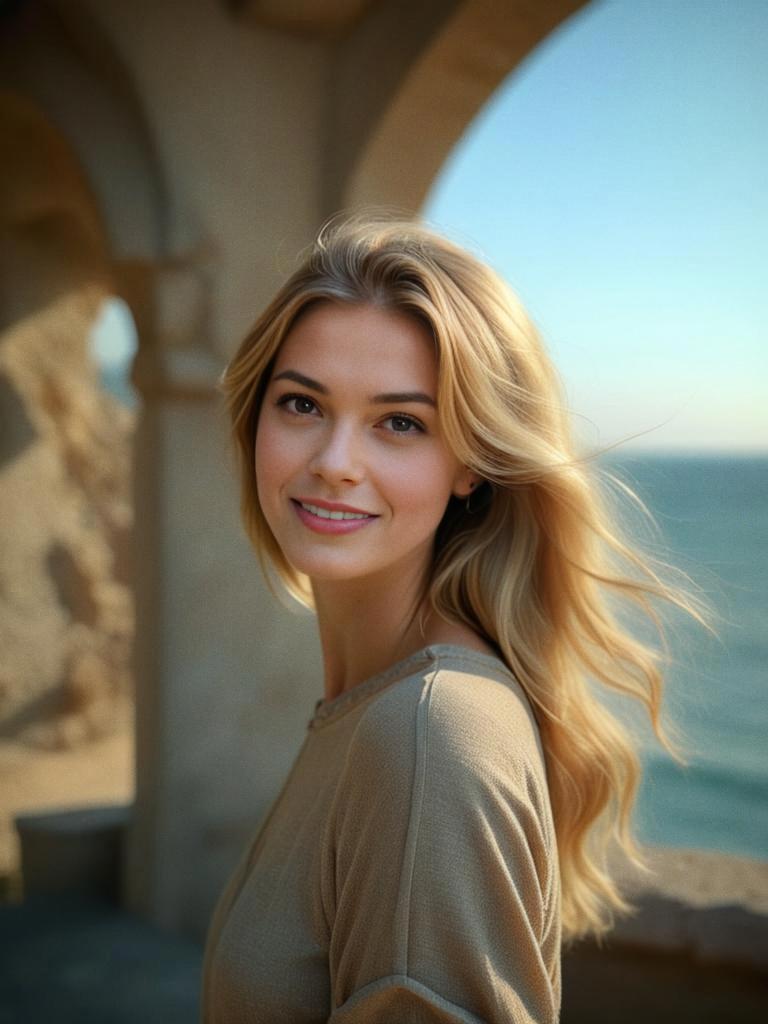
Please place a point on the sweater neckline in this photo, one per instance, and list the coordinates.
(329, 710)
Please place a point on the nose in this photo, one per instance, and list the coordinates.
(338, 456)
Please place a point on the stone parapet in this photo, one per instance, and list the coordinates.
(711, 906)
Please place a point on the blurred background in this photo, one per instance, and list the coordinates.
(163, 164)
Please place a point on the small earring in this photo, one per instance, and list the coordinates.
(468, 499)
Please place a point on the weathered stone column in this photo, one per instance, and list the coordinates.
(209, 751)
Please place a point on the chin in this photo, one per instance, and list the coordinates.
(333, 573)
(324, 569)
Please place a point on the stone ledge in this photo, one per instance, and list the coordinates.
(709, 905)
(725, 934)
(702, 878)
(75, 852)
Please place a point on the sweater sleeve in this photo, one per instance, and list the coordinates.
(441, 877)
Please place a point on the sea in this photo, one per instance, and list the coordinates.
(711, 511)
(711, 516)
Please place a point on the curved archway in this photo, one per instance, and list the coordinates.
(58, 57)
(468, 56)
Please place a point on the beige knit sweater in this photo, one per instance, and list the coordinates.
(407, 871)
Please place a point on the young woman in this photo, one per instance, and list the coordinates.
(408, 471)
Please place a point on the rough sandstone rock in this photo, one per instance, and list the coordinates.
(66, 615)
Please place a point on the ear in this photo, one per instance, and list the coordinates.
(465, 482)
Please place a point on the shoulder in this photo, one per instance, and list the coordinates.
(460, 713)
(452, 747)
(442, 834)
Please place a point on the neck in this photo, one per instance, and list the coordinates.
(366, 627)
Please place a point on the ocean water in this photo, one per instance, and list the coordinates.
(713, 515)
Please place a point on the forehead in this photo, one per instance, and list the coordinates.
(337, 339)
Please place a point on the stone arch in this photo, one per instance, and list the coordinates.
(86, 211)
(53, 238)
(466, 57)
(56, 55)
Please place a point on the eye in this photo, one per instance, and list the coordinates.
(402, 424)
(299, 405)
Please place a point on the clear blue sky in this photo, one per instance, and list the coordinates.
(619, 181)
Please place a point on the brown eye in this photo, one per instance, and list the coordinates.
(298, 404)
(400, 424)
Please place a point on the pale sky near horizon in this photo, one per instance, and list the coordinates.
(618, 180)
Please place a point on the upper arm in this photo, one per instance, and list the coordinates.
(444, 877)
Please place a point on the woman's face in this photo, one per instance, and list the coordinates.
(353, 473)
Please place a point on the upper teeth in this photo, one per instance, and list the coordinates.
(326, 513)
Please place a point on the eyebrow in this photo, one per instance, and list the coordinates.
(402, 398)
(305, 382)
(387, 398)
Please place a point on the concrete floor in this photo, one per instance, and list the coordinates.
(86, 963)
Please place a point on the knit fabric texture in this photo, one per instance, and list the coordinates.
(407, 871)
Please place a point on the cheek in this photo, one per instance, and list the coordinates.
(268, 459)
(424, 488)
(279, 458)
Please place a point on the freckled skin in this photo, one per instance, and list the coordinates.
(386, 459)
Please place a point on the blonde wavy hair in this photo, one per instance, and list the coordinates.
(538, 567)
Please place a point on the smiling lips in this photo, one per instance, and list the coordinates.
(330, 517)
